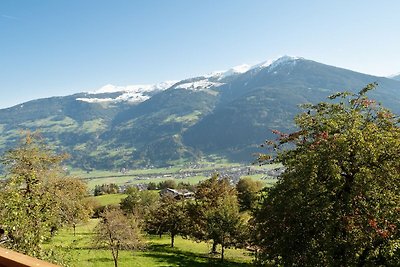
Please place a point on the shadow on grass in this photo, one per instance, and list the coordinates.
(176, 257)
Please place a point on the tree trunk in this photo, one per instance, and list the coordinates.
(172, 240)
(222, 252)
(74, 226)
(115, 257)
(214, 248)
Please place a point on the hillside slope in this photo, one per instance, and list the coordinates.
(225, 114)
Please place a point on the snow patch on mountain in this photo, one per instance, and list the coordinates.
(130, 93)
(226, 73)
(270, 64)
(274, 63)
(142, 92)
(198, 85)
(110, 88)
(95, 100)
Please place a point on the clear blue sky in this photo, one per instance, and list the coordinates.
(59, 47)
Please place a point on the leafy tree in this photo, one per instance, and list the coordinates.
(106, 189)
(214, 213)
(139, 203)
(131, 203)
(338, 201)
(247, 191)
(169, 216)
(225, 225)
(152, 186)
(115, 231)
(167, 184)
(35, 197)
(186, 186)
(72, 202)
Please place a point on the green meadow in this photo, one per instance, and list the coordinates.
(156, 175)
(79, 251)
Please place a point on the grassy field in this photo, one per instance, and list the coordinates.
(157, 175)
(160, 171)
(131, 181)
(109, 199)
(79, 251)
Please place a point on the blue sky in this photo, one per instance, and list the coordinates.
(60, 47)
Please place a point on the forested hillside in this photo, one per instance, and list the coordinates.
(224, 115)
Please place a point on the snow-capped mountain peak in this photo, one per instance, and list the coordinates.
(141, 92)
(110, 88)
(232, 71)
(283, 60)
(131, 93)
(272, 64)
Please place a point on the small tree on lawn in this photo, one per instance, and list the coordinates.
(115, 231)
(72, 200)
(169, 216)
(214, 214)
(225, 225)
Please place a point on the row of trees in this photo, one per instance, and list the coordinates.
(213, 215)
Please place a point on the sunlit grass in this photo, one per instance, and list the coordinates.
(109, 199)
(80, 251)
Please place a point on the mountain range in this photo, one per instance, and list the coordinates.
(223, 115)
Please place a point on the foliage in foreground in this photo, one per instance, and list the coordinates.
(338, 201)
(37, 199)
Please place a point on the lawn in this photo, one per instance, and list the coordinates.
(79, 251)
(109, 199)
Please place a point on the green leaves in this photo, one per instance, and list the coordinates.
(36, 199)
(338, 201)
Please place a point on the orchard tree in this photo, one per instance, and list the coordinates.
(248, 192)
(169, 216)
(215, 214)
(70, 200)
(116, 231)
(225, 225)
(31, 201)
(338, 201)
(139, 203)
